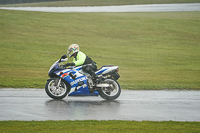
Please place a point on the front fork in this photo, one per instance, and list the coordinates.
(57, 82)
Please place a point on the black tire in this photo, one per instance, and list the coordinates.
(56, 93)
(110, 93)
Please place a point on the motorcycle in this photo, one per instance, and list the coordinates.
(73, 81)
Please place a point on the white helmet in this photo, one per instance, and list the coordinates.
(73, 48)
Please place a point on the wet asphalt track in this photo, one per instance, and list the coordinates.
(165, 105)
(123, 8)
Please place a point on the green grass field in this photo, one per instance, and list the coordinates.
(92, 126)
(152, 50)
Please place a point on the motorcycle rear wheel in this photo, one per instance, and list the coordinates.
(56, 92)
(110, 93)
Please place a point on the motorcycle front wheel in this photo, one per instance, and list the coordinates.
(54, 91)
(112, 92)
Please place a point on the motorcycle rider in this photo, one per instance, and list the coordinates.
(80, 58)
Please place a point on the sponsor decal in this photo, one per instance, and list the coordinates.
(64, 75)
(77, 80)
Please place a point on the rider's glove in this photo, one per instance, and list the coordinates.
(69, 64)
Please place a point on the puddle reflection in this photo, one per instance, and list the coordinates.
(81, 110)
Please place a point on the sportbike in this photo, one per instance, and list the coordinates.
(74, 81)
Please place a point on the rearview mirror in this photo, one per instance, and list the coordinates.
(64, 56)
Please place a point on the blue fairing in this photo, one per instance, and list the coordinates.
(64, 74)
(82, 90)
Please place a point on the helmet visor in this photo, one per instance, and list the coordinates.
(70, 52)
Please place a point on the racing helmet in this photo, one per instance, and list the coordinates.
(73, 48)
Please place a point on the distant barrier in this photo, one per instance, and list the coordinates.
(3, 2)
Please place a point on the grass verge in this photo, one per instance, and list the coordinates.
(152, 50)
(99, 126)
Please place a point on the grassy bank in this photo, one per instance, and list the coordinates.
(99, 126)
(99, 3)
(152, 50)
